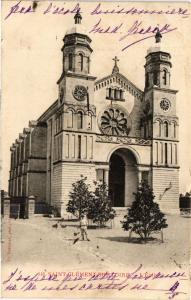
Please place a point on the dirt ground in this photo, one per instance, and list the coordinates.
(34, 242)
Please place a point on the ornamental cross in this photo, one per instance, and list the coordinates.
(115, 60)
(115, 68)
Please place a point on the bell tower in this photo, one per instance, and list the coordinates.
(76, 84)
(157, 67)
(160, 124)
(76, 49)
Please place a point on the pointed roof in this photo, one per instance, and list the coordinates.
(78, 27)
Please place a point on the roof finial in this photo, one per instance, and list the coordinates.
(78, 17)
(115, 68)
(158, 35)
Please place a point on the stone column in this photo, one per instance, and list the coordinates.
(6, 206)
(30, 206)
(139, 176)
(106, 176)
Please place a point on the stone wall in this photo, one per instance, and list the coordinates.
(64, 174)
(166, 187)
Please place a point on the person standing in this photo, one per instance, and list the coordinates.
(84, 227)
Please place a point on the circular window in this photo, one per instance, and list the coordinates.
(115, 121)
(80, 92)
(165, 104)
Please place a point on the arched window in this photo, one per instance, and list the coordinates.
(159, 127)
(61, 94)
(145, 130)
(70, 118)
(166, 129)
(147, 80)
(164, 77)
(115, 94)
(79, 120)
(121, 94)
(81, 61)
(110, 93)
(70, 64)
(174, 130)
(155, 75)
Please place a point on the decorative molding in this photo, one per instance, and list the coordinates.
(162, 118)
(77, 107)
(75, 75)
(122, 140)
(165, 167)
(74, 161)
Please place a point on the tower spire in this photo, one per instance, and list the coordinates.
(78, 17)
(115, 68)
(158, 36)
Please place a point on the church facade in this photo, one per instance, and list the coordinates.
(105, 129)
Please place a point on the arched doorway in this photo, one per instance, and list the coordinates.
(117, 180)
(123, 177)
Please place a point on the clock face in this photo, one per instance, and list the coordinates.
(165, 104)
(80, 92)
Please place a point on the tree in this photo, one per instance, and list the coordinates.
(80, 197)
(144, 217)
(100, 210)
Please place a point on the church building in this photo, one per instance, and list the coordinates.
(105, 129)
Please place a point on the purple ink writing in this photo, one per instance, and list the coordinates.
(98, 28)
(99, 10)
(56, 10)
(138, 29)
(17, 8)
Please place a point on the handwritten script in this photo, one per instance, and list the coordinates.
(122, 30)
(137, 281)
(54, 9)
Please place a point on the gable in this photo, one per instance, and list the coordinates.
(119, 80)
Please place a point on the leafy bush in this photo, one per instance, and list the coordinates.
(144, 217)
(80, 198)
(100, 209)
(95, 204)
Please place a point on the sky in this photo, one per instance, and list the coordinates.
(32, 59)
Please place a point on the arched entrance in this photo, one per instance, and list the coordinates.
(123, 177)
(117, 180)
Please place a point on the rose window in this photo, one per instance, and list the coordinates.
(114, 121)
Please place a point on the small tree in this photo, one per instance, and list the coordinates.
(100, 210)
(144, 216)
(80, 197)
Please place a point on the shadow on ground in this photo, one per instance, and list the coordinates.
(133, 240)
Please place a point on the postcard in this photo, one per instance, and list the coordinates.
(96, 157)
